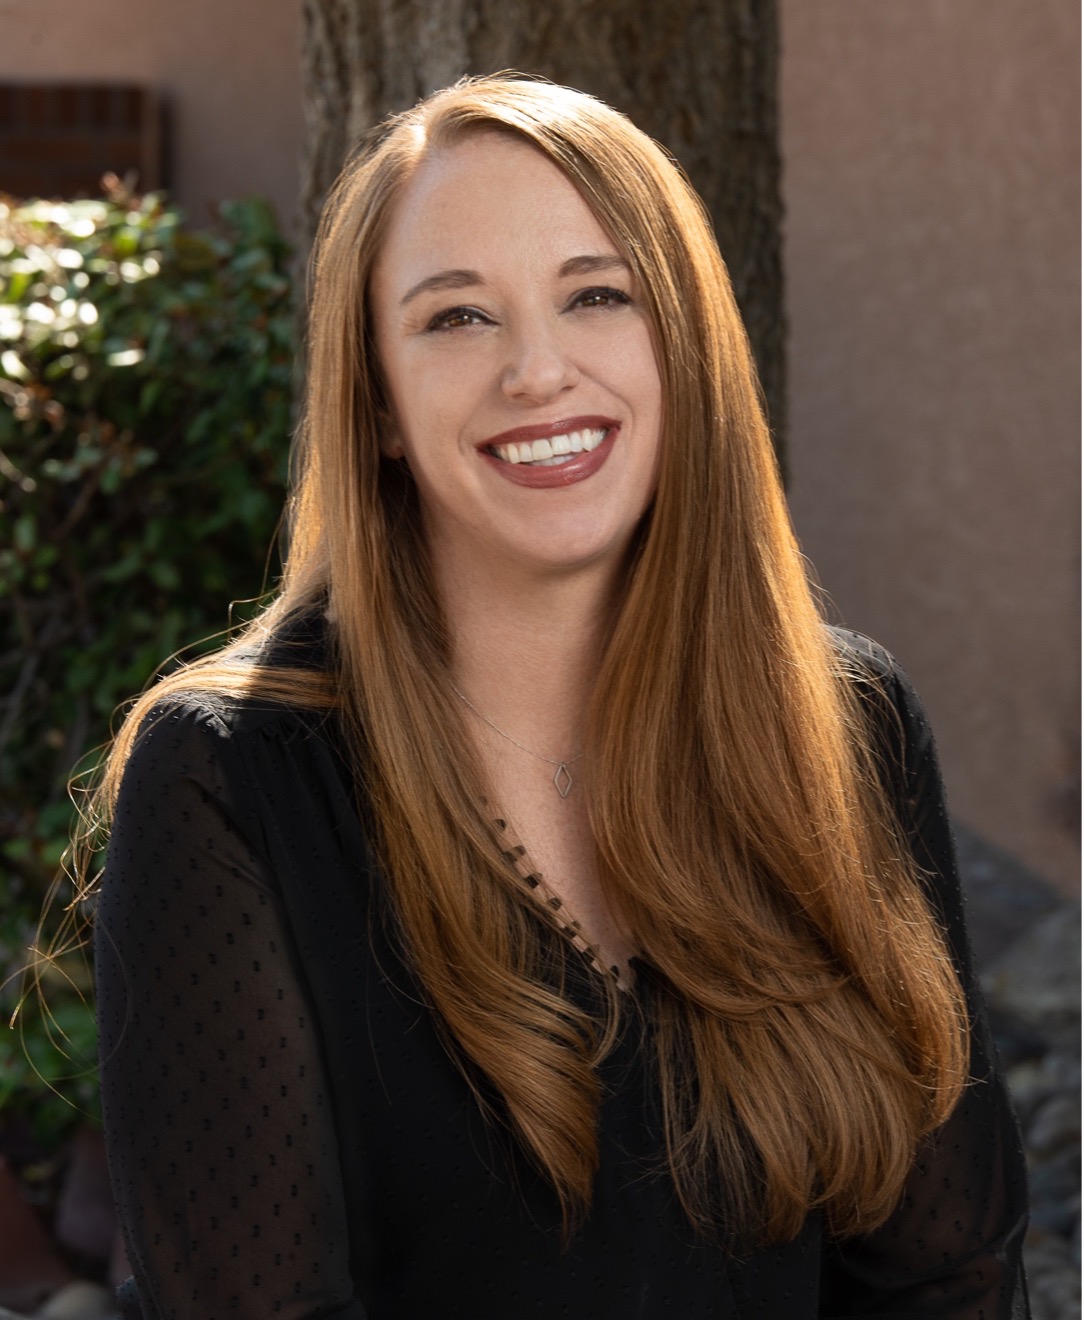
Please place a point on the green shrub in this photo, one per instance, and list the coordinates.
(145, 405)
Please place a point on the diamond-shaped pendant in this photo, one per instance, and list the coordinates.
(562, 780)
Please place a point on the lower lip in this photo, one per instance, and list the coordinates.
(578, 468)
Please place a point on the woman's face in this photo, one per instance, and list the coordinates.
(518, 360)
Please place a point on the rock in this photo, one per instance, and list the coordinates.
(1055, 1126)
(1053, 1278)
(1026, 940)
(1037, 979)
(1034, 1080)
(1016, 1041)
(86, 1222)
(1055, 1194)
(1004, 897)
(30, 1270)
(79, 1301)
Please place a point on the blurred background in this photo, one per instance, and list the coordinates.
(896, 189)
(930, 186)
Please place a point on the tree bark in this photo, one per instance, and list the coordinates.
(698, 75)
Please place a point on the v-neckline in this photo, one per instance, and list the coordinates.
(515, 853)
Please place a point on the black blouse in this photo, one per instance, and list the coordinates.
(288, 1136)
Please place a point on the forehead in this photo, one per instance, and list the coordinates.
(486, 200)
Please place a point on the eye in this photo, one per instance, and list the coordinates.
(601, 297)
(456, 318)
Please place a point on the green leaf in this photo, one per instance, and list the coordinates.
(147, 497)
(25, 533)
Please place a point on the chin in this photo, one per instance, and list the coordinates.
(586, 556)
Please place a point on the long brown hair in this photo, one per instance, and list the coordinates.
(808, 1025)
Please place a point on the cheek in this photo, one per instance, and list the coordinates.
(651, 398)
(422, 407)
(436, 410)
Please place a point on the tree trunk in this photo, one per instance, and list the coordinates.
(698, 75)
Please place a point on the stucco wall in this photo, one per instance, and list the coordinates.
(931, 177)
(229, 69)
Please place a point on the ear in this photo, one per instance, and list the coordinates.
(390, 444)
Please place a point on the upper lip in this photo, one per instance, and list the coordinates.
(546, 430)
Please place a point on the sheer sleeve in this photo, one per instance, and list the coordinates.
(221, 1143)
(952, 1249)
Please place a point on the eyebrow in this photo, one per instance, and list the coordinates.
(465, 279)
(444, 279)
(593, 265)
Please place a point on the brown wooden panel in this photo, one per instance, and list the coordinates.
(58, 139)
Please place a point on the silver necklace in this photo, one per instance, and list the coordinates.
(562, 777)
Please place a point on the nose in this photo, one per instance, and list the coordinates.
(538, 367)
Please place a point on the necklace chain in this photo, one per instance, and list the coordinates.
(562, 779)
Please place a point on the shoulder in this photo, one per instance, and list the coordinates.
(279, 678)
(896, 727)
(861, 657)
(240, 714)
(237, 736)
(879, 679)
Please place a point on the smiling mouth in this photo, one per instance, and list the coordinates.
(552, 451)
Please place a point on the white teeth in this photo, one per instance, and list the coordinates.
(550, 452)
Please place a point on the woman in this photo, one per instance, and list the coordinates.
(539, 911)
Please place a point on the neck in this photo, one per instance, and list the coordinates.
(526, 653)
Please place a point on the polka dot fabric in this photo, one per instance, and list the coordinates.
(288, 1136)
(210, 1059)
